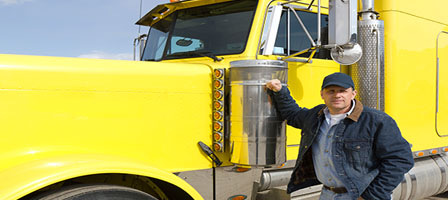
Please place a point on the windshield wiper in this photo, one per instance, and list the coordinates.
(195, 53)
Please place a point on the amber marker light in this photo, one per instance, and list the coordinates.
(434, 151)
(218, 94)
(218, 84)
(217, 115)
(218, 73)
(217, 146)
(217, 126)
(217, 136)
(282, 165)
(445, 149)
(242, 169)
(419, 154)
(217, 105)
(237, 197)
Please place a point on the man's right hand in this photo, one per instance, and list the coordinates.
(274, 85)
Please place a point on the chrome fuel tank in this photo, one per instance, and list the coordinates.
(257, 134)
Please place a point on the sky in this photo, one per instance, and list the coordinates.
(72, 28)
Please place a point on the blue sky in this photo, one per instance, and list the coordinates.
(71, 28)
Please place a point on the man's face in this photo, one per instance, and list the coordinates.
(338, 99)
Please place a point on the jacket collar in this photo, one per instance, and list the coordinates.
(355, 113)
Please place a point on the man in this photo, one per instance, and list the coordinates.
(354, 151)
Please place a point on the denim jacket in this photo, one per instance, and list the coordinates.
(369, 153)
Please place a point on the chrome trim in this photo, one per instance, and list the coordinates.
(404, 188)
(342, 22)
(308, 4)
(260, 39)
(379, 77)
(303, 26)
(318, 23)
(368, 73)
(368, 9)
(437, 82)
(444, 158)
(139, 41)
(367, 5)
(253, 83)
(271, 179)
(257, 133)
(303, 60)
(442, 166)
(288, 42)
(201, 180)
(427, 152)
(295, 6)
(273, 25)
(414, 185)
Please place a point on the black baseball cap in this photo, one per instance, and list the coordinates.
(339, 79)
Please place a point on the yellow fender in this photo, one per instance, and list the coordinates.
(28, 177)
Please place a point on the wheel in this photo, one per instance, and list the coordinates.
(95, 192)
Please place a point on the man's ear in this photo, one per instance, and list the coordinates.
(322, 94)
(354, 94)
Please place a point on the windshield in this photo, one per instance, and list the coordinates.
(218, 29)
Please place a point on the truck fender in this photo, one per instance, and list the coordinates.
(31, 176)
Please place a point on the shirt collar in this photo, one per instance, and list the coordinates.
(354, 115)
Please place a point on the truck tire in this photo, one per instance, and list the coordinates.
(95, 192)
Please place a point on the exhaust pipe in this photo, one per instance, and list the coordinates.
(368, 73)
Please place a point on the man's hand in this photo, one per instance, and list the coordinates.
(274, 85)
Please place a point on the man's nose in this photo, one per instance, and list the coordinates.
(338, 94)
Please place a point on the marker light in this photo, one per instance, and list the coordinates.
(218, 109)
(237, 197)
(217, 115)
(217, 105)
(218, 94)
(434, 151)
(217, 126)
(419, 154)
(219, 73)
(218, 84)
(242, 169)
(217, 136)
(282, 165)
(445, 149)
(217, 146)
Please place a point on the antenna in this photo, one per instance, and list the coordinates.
(140, 16)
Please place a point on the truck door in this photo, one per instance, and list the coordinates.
(442, 84)
(295, 29)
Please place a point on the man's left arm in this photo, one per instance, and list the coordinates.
(395, 159)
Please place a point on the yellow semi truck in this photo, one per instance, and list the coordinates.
(192, 119)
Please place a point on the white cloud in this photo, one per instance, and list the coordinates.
(104, 55)
(12, 2)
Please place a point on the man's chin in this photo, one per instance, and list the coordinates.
(338, 107)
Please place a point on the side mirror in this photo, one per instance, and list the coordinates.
(342, 34)
(139, 41)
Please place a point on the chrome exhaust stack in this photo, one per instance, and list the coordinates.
(368, 73)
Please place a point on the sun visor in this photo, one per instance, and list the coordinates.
(164, 10)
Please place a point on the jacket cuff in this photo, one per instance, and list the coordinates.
(281, 91)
